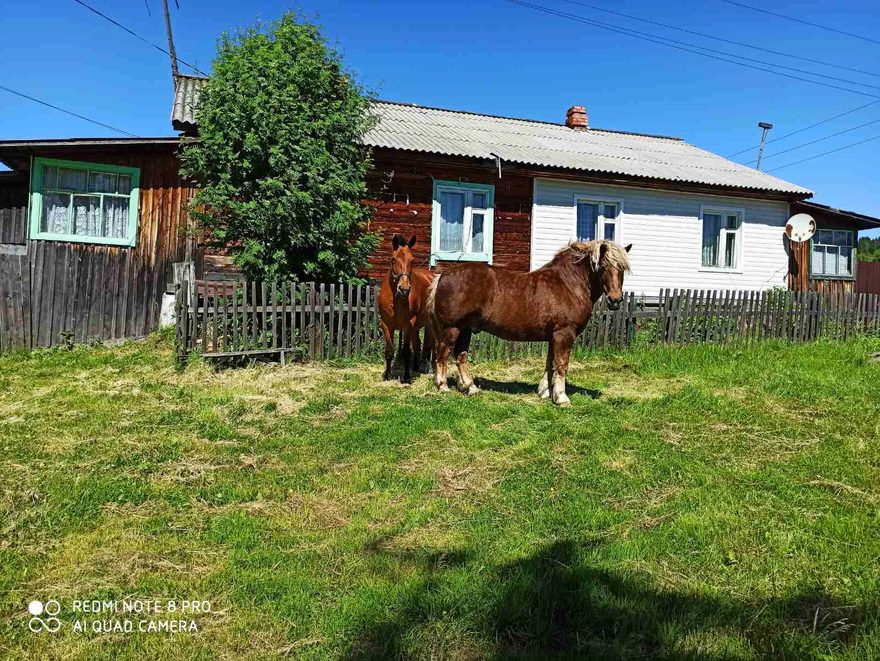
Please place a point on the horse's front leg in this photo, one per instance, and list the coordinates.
(544, 385)
(406, 358)
(416, 348)
(562, 341)
(389, 349)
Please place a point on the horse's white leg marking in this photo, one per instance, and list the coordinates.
(465, 380)
(559, 395)
(544, 386)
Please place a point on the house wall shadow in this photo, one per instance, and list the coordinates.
(554, 605)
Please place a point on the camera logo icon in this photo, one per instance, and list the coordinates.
(44, 616)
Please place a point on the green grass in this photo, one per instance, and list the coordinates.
(693, 503)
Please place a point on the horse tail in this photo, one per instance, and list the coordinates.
(430, 303)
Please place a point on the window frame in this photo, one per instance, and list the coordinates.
(854, 256)
(441, 185)
(600, 221)
(36, 201)
(739, 246)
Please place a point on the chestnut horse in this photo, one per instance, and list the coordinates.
(402, 298)
(552, 304)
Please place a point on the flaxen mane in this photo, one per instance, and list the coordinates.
(615, 257)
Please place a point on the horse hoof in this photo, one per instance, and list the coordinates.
(544, 395)
(443, 388)
(563, 401)
(471, 390)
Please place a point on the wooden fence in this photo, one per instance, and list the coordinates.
(320, 321)
(323, 321)
(686, 316)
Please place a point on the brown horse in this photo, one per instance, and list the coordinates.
(552, 304)
(402, 298)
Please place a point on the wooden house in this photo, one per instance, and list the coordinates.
(91, 229)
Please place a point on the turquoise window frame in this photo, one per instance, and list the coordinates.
(438, 255)
(36, 201)
(855, 259)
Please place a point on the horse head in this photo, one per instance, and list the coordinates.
(401, 265)
(608, 264)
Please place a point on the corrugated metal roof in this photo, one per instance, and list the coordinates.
(538, 144)
(186, 98)
(541, 144)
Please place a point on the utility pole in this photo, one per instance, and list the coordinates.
(171, 50)
(766, 126)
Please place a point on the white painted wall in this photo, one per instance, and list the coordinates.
(665, 229)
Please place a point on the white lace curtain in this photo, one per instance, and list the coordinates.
(79, 212)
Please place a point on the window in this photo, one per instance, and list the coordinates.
(596, 220)
(832, 254)
(86, 202)
(722, 236)
(463, 221)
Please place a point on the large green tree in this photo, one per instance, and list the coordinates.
(280, 157)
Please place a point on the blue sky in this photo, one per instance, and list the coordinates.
(489, 56)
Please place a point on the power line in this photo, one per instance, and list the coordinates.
(640, 34)
(822, 139)
(67, 112)
(722, 39)
(806, 128)
(663, 41)
(137, 36)
(833, 151)
(798, 20)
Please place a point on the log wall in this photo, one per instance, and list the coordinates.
(402, 188)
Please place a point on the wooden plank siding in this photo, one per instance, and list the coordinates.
(799, 262)
(82, 292)
(868, 278)
(13, 209)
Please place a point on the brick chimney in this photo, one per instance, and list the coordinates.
(576, 118)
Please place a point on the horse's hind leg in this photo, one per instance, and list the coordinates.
(445, 339)
(544, 385)
(465, 380)
(427, 347)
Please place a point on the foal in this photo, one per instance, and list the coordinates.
(552, 304)
(402, 308)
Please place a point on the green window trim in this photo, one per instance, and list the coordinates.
(36, 201)
(845, 278)
(488, 223)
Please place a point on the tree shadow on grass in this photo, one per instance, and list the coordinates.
(524, 388)
(555, 605)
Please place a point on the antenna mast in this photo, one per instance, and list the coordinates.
(766, 126)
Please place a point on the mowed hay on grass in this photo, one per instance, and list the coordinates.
(700, 502)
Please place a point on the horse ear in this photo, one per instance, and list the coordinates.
(397, 241)
(628, 247)
(412, 241)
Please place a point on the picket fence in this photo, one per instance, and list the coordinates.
(325, 321)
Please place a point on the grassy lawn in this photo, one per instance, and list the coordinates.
(702, 503)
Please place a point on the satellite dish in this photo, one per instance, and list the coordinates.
(800, 227)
